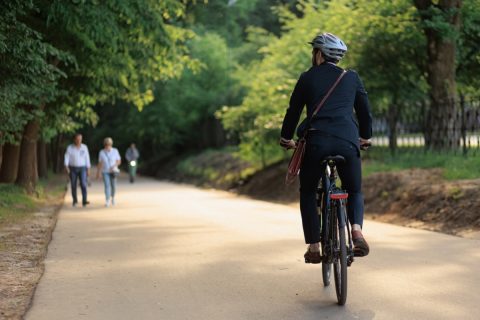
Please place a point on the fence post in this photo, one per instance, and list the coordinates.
(392, 119)
(424, 121)
(464, 125)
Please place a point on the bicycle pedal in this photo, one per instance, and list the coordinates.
(349, 262)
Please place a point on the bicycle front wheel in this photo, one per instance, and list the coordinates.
(340, 249)
(326, 271)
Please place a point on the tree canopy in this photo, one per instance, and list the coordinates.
(179, 76)
(61, 58)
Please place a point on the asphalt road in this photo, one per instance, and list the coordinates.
(169, 251)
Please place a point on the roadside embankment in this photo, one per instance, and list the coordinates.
(26, 225)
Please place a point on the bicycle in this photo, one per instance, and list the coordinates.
(132, 170)
(336, 241)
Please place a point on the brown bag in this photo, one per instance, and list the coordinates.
(299, 152)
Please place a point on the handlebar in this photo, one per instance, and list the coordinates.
(363, 147)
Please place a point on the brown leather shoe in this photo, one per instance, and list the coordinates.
(312, 257)
(360, 245)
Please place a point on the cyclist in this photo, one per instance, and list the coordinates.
(333, 131)
(132, 156)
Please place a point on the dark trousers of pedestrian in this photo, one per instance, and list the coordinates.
(78, 173)
(317, 148)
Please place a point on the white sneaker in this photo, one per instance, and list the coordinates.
(113, 201)
(107, 203)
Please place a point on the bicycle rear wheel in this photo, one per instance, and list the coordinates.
(326, 266)
(340, 260)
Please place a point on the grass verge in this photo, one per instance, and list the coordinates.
(16, 204)
(454, 167)
(26, 226)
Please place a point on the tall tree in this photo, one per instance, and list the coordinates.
(29, 79)
(441, 22)
(388, 61)
(28, 174)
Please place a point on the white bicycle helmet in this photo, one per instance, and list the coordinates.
(330, 45)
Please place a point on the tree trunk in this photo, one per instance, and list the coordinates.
(1, 154)
(48, 152)
(212, 134)
(57, 151)
(42, 159)
(442, 127)
(9, 169)
(27, 170)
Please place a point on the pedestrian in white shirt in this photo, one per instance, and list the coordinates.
(108, 162)
(77, 166)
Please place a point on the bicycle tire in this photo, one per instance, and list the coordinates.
(326, 266)
(326, 272)
(340, 261)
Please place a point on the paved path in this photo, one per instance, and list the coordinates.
(169, 251)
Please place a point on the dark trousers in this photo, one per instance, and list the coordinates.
(318, 147)
(75, 174)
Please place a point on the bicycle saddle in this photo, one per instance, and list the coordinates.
(336, 159)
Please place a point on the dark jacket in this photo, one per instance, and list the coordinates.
(336, 117)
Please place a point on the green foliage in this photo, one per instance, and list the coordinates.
(269, 81)
(179, 63)
(28, 76)
(386, 45)
(389, 55)
(231, 19)
(122, 48)
(72, 55)
(181, 106)
(437, 19)
(468, 52)
(181, 117)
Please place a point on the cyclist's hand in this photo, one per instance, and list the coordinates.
(365, 143)
(287, 144)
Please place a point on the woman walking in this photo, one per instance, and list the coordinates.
(108, 162)
(332, 131)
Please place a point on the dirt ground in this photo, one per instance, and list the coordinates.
(416, 198)
(422, 199)
(23, 246)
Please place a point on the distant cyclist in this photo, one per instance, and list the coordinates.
(333, 131)
(132, 156)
